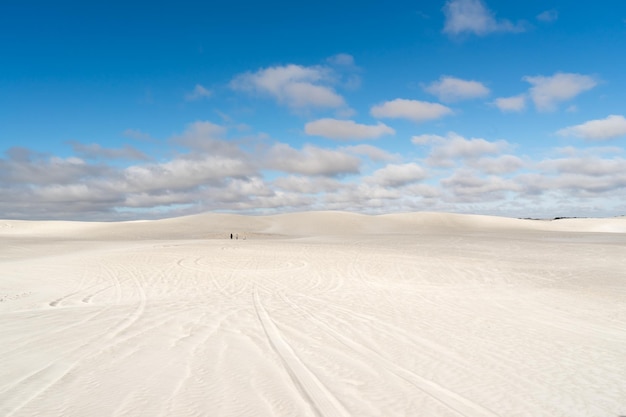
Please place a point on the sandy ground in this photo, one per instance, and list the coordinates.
(314, 314)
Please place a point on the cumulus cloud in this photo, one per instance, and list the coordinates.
(511, 104)
(472, 16)
(292, 85)
(371, 197)
(139, 200)
(363, 196)
(396, 175)
(23, 167)
(201, 129)
(214, 174)
(35, 185)
(311, 160)
(450, 89)
(588, 165)
(207, 137)
(427, 139)
(578, 175)
(417, 111)
(346, 129)
(207, 170)
(459, 147)
(445, 150)
(210, 159)
(198, 93)
(476, 155)
(307, 185)
(243, 189)
(76, 193)
(372, 152)
(500, 165)
(469, 186)
(611, 127)
(547, 92)
(184, 173)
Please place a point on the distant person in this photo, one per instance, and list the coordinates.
(231, 236)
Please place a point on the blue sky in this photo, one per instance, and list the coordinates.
(121, 111)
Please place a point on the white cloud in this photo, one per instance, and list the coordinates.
(250, 174)
(499, 165)
(547, 92)
(472, 16)
(446, 150)
(211, 160)
(198, 93)
(469, 186)
(242, 187)
(25, 167)
(585, 176)
(311, 160)
(206, 137)
(202, 129)
(611, 127)
(451, 89)
(548, 16)
(427, 139)
(184, 173)
(417, 111)
(459, 147)
(346, 129)
(511, 104)
(307, 185)
(148, 200)
(232, 198)
(361, 197)
(293, 85)
(587, 165)
(397, 175)
(372, 152)
(69, 193)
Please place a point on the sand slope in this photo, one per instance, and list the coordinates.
(212, 225)
(314, 314)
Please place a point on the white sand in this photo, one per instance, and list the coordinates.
(314, 314)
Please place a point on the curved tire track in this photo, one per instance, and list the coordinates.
(447, 398)
(324, 403)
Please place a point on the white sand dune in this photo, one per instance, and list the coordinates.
(314, 314)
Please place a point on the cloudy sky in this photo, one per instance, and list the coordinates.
(118, 111)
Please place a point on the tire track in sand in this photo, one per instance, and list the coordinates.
(53, 373)
(323, 402)
(450, 399)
